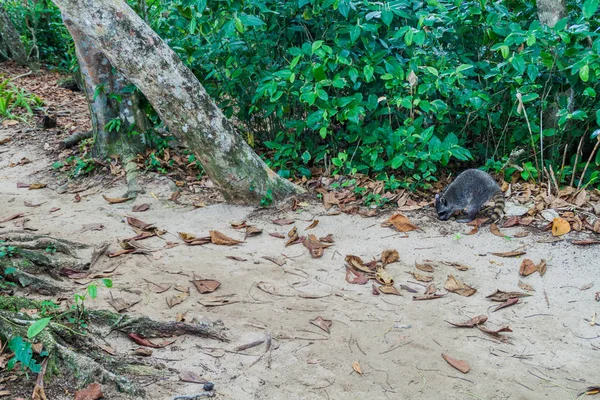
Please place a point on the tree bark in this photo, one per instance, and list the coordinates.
(176, 94)
(12, 39)
(551, 11)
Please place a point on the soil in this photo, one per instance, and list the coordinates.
(553, 352)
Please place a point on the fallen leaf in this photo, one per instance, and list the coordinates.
(500, 295)
(277, 235)
(384, 277)
(235, 258)
(389, 289)
(494, 229)
(312, 225)
(218, 238)
(136, 223)
(324, 324)
(156, 288)
(560, 227)
(356, 367)
(14, 216)
(294, 240)
(206, 285)
(7, 122)
(527, 267)
(238, 224)
(28, 204)
(191, 377)
(108, 349)
(478, 320)
(355, 277)
(329, 200)
(145, 342)
(120, 304)
(327, 239)
(92, 392)
(494, 332)
(590, 391)
(53, 209)
(275, 260)
(117, 200)
(455, 285)
(507, 303)
(357, 263)
(91, 227)
(430, 289)
(177, 299)
(22, 185)
(585, 242)
(140, 208)
(252, 230)
(374, 290)
(424, 267)
(458, 266)
(587, 286)
(541, 267)
(421, 277)
(293, 232)
(192, 240)
(460, 365)
(389, 256)
(34, 186)
(315, 246)
(282, 221)
(514, 253)
(510, 222)
(120, 252)
(216, 301)
(142, 352)
(525, 286)
(478, 222)
(400, 222)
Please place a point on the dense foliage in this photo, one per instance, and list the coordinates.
(395, 89)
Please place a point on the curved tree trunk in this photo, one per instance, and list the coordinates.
(12, 39)
(176, 94)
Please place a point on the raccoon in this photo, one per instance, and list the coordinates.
(471, 190)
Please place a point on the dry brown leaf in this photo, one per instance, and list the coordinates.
(77, 198)
(108, 349)
(142, 352)
(120, 304)
(585, 242)
(275, 260)
(510, 222)
(140, 208)
(92, 392)
(177, 299)
(312, 225)
(384, 277)
(507, 303)
(560, 227)
(424, 267)
(327, 239)
(53, 209)
(28, 204)
(206, 285)
(236, 258)
(355, 278)
(389, 256)
(293, 232)
(282, 221)
(358, 264)
(252, 230)
(400, 222)
(421, 277)
(191, 377)
(136, 223)
(494, 229)
(34, 186)
(514, 253)
(455, 285)
(494, 332)
(324, 324)
(500, 295)
(458, 266)
(356, 367)
(460, 365)
(525, 286)
(527, 267)
(315, 246)
(14, 216)
(117, 200)
(478, 320)
(541, 267)
(429, 296)
(388, 289)
(238, 224)
(142, 341)
(218, 238)
(329, 200)
(430, 289)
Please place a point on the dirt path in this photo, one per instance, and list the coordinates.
(397, 342)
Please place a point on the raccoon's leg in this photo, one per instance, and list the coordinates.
(472, 212)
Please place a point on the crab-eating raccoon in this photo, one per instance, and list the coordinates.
(471, 190)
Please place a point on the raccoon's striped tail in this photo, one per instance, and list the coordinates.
(498, 210)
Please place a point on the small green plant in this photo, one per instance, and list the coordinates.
(114, 125)
(78, 315)
(267, 199)
(51, 249)
(13, 98)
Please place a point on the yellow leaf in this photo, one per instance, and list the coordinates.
(356, 367)
(560, 227)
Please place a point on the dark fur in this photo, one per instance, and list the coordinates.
(471, 190)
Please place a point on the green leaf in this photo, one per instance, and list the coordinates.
(433, 71)
(250, 20)
(504, 51)
(316, 45)
(598, 117)
(590, 7)
(344, 8)
(294, 62)
(354, 33)
(37, 327)
(532, 71)
(368, 71)
(518, 63)
(408, 37)
(584, 73)
(463, 67)
(93, 291)
(529, 97)
(387, 16)
(200, 5)
(590, 92)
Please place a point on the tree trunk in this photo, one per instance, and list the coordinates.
(551, 11)
(119, 122)
(12, 39)
(178, 97)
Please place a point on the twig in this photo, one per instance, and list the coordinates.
(588, 162)
(267, 350)
(576, 159)
(554, 180)
(562, 167)
(520, 99)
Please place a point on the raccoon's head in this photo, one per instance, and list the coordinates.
(441, 206)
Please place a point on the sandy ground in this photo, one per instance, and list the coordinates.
(552, 353)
